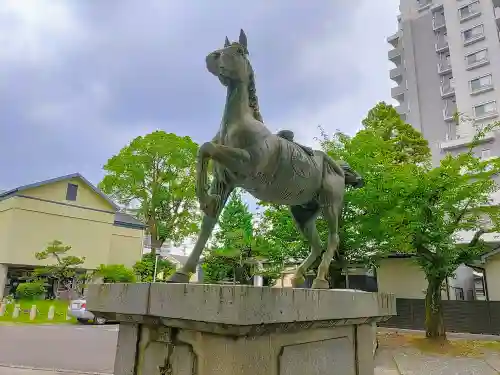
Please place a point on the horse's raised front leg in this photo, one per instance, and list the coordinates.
(233, 159)
(223, 190)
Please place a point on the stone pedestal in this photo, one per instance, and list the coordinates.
(186, 329)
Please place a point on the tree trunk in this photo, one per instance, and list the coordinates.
(434, 321)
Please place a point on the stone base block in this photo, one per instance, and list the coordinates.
(187, 329)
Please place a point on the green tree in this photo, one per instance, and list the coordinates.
(408, 206)
(285, 243)
(426, 214)
(146, 266)
(115, 273)
(237, 248)
(406, 143)
(156, 173)
(66, 269)
(384, 140)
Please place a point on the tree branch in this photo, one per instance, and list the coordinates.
(425, 253)
(465, 256)
(477, 236)
(461, 215)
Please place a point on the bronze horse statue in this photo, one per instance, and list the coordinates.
(271, 167)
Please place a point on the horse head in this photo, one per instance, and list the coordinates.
(230, 63)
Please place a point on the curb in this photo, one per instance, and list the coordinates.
(450, 335)
(61, 371)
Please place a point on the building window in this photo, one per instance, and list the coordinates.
(485, 109)
(71, 192)
(423, 3)
(468, 11)
(477, 58)
(438, 20)
(485, 154)
(481, 83)
(473, 34)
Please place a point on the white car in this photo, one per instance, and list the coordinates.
(78, 309)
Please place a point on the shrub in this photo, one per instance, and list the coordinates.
(30, 290)
(115, 273)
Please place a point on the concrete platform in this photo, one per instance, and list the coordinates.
(238, 330)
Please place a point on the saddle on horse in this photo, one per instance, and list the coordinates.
(289, 136)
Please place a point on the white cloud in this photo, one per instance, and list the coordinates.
(35, 31)
(87, 105)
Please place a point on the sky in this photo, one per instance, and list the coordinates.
(80, 79)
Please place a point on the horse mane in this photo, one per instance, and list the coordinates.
(253, 100)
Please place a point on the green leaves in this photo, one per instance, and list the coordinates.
(115, 273)
(156, 174)
(65, 267)
(409, 206)
(237, 247)
(145, 267)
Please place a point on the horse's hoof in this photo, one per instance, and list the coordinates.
(178, 278)
(320, 284)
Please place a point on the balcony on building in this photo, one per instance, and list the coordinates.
(423, 5)
(459, 141)
(442, 42)
(438, 21)
(393, 40)
(402, 110)
(395, 55)
(398, 92)
(447, 86)
(396, 74)
(437, 7)
(444, 65)
(450, 109)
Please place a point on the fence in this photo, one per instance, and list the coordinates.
(459, 316)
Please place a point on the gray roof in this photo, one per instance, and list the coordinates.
(127, 220)
(9, 193)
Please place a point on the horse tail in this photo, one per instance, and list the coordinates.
(351, 177)
(332, 165)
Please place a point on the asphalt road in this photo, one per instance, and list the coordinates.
(78, 348)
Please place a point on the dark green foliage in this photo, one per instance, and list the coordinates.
(115, 273)
(145, 267)
(237, 248)
(30, 290)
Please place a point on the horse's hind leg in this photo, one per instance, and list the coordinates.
(305, 218)
(331, 213)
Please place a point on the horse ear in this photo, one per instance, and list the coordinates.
(243, 39)
(226, 43)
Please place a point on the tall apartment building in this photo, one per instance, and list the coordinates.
(447, 57)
